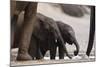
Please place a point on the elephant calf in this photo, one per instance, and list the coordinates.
(47, 41)
(68, 35)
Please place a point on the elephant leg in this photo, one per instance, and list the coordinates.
(13, 29)
(43, 52)
(64, 48)
(61, 52)
(39, 54)
(53, 51)
(15, 11)
(33, 47)
(26, 31)
(92, 31)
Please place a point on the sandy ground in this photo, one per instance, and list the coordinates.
(75, 59)
(42, 62)
(80, 25)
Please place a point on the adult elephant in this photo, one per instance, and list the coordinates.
(25, 32)
(46, 34)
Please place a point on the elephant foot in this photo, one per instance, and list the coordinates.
(52, 58)
(61, 58)
(24, 57)
(39, 58)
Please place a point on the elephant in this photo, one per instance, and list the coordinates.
(68, 36)
(25, 32)
(44, 39)
(45, 35)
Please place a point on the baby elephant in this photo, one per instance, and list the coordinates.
(68, 35)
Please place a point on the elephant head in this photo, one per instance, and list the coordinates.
(73, 40)
(68, 35)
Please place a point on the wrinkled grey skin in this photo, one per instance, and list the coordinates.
(23, 35)
(46, 33)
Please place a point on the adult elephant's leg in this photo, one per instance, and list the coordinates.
(13, 29)
(26, 31)
(92, 31)
(32, 47)
(14, 17)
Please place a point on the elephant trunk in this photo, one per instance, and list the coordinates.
(77, 48)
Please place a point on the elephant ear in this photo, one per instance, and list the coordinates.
(40, 31)
(44, 21)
